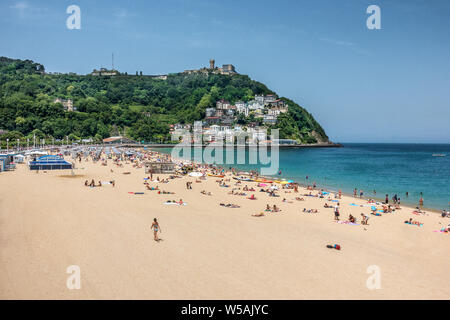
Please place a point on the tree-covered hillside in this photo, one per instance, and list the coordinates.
(140, 107)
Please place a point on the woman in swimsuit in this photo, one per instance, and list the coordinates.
(155, 226)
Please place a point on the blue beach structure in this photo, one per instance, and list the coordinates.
(7, 162)
(49, 162)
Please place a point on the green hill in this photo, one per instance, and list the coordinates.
(140, 107)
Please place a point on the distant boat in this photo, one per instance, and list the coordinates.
(439, 155)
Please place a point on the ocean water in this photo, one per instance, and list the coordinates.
(386, 168)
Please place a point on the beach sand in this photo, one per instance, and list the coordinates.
(50, 221)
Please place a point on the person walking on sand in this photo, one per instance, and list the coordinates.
(336, 212)
(155, 226)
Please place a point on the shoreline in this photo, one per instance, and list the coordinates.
(331, 190)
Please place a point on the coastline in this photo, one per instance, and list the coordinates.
(208, 251)
(282, 146)
(325, 188)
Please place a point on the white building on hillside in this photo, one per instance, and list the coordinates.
(255, 105)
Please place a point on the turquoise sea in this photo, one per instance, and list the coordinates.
(387, 168)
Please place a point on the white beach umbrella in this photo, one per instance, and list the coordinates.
(195, 174)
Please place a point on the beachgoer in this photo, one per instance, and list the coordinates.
(336, 211)
(155, 226)
(365, 218)
(258, 214)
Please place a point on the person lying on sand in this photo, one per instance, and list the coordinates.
(165, 192)
(411, 221)
(299, 199)
(310, 210)
(284, 200)
(230, 205)
(258, 214)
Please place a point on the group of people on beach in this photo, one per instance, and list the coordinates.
(271, 190)
(92, 183)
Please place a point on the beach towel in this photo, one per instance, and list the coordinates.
(355, 205)
(413, 224)
(348, 222)
(176, 203)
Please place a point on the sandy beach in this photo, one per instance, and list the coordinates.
(50, 221)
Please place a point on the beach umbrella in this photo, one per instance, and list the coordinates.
(195, 174)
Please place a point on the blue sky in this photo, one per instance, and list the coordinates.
(388, 85)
